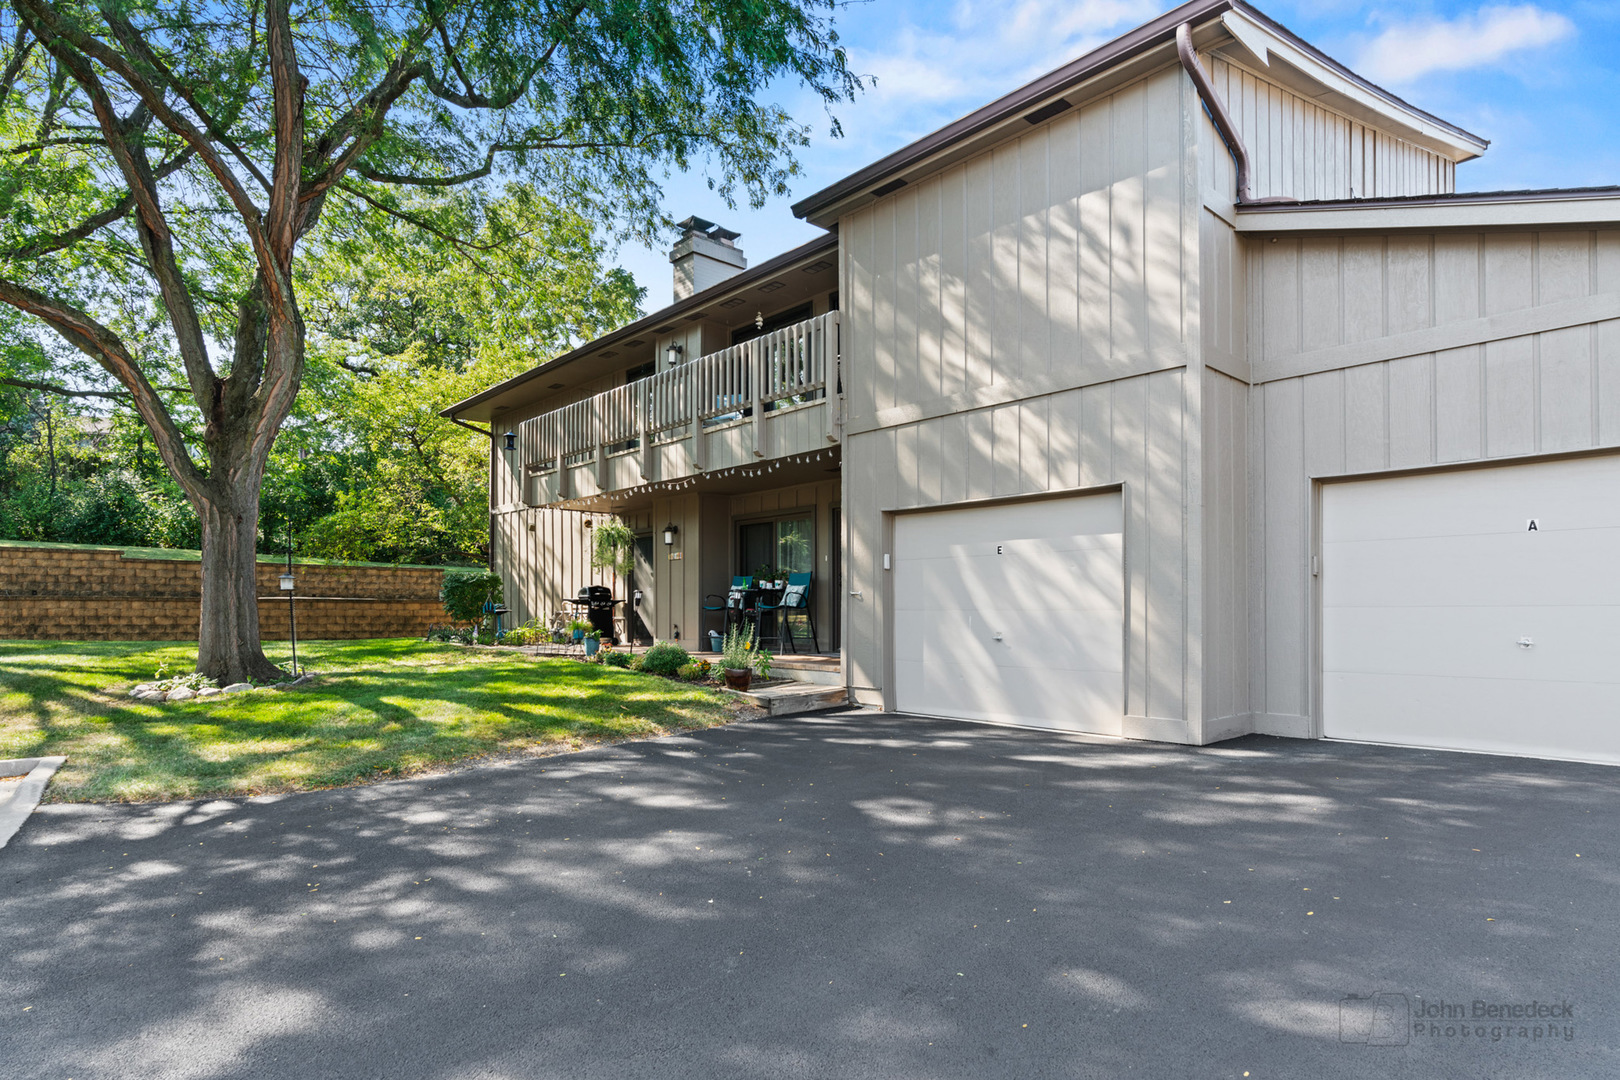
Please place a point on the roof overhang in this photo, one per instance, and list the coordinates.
(482, 407)
(1216, 23)
(1318, 77)
(1468, 210)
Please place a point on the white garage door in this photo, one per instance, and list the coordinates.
(1448, 621)
(1013, 614)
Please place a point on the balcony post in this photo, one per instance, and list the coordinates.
(643, 408)
(695, 437)
(756, 387)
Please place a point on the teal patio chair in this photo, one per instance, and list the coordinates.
(795, 600)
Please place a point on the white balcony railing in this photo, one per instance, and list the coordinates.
(749, 385)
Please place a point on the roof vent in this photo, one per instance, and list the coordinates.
(1046, 112)
(706, 255)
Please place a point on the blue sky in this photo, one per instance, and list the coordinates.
(1540, 80)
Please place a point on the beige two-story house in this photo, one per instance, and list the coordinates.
(1176, 395)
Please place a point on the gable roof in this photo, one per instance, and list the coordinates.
(1247, 26)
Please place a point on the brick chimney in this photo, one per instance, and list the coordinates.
(706, 255)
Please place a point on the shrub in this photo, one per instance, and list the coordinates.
(696, 671)
(465, 592)
(615, 658)
(664, 658)
(527, 634)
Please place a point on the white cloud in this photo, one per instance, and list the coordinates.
(1407, 51)
(990, 48)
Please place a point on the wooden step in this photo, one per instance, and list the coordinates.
(790, 699)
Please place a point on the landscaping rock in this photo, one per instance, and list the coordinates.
(181, 693)
(209, 691)
(151, 695)
(237, 688)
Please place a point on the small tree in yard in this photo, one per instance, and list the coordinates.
(166, 160)
(466, 592)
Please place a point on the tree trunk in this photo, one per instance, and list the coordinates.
(228, 646)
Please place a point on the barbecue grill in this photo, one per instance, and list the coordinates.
(598, 604)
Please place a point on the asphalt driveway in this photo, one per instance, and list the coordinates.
(840, 896)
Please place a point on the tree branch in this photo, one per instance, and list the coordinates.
(44, 245)
(46, 144)
(132, 40)
(67, 42)
(63, 391)
(108, 350)
(156, 240)
(19, 56)
(465, 247)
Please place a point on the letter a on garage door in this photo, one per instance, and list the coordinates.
(1476, 610)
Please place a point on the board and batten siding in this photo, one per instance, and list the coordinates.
(1054, 259)
(1021, 324)
(1227, 539)
(544, 557)
(1128, 432)
(1300, 150)
(1380, 353)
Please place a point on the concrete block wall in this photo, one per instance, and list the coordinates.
(102, 594)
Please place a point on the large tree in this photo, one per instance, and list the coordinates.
(167, 159)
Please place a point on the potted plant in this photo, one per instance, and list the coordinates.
(613, 547)
(577, 628)
(593, 641)
(739, 659)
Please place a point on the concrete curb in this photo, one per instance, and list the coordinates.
(16, 805)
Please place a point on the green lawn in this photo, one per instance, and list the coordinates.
(378, 708)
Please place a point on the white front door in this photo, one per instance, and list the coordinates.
(1476, 610)
(1013, 613)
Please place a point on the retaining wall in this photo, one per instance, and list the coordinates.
(104, 594)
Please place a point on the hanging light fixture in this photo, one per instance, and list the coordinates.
(511, 441)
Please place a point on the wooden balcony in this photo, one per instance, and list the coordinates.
(773, 397)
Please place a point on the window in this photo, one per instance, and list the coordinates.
(786, 546)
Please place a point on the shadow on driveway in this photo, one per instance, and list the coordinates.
(850, 895)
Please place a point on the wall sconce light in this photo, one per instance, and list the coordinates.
(669, 534)
(674, 352)
(511, 441)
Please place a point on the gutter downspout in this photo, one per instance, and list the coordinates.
(1222, 119)
(490, 432)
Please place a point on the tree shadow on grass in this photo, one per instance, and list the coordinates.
(381, 708)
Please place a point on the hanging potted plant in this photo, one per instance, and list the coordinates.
(613, 546)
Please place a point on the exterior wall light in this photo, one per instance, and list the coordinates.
(669, 534)
(511, 441)
(674, 352)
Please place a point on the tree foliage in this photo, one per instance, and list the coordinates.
(169, 161)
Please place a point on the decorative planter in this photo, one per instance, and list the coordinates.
(579, 635)
(591, 645)
(739, 678)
